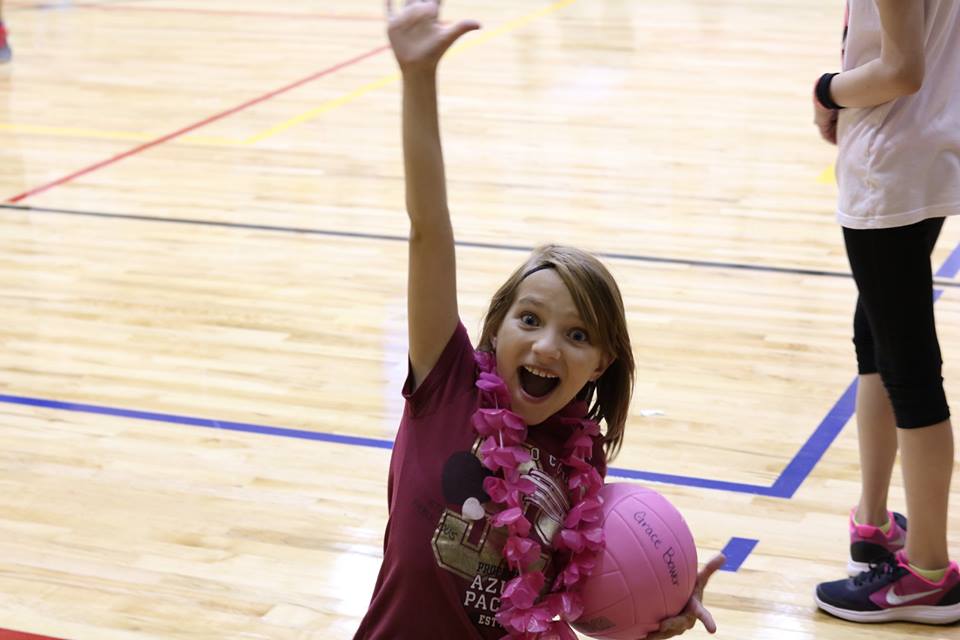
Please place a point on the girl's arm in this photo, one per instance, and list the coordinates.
(418, 42)
(899, 69)
(897, 72)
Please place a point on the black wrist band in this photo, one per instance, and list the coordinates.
(822, 92)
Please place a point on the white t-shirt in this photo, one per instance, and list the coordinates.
(899, 163)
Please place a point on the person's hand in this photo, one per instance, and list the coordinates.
(694, 610)
(826, 121)
(417, 37)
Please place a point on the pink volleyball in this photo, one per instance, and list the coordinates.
(647, 570)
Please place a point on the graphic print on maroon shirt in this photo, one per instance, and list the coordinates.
(443, 569)
(467, 545)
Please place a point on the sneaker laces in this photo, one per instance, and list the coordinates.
(887, 566)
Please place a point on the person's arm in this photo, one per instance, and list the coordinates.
(418, 42)
(898, 72)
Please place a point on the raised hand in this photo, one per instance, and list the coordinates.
(694, 610)
(418, 39)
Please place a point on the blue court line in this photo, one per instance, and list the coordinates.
(816, 445)
(788, 481)
(359, 235)
(226, 425)
(736, 551)
(951, 265)
(792, 475)
(690, 481)
(810, 452)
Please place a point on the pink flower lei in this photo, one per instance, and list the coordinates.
(528, 610)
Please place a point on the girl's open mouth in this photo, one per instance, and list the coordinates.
(535, 382)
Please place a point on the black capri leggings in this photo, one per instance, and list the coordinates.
(893, 326)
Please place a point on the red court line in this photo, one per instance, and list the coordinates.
(6, 634)
(193, 127)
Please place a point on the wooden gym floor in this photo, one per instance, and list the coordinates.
(202, 271)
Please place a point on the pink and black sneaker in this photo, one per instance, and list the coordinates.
(5, 53)
(891, 592)
(869, 545)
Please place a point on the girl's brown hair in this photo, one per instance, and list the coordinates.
(598, 300)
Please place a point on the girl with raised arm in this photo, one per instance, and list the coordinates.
(492, 493)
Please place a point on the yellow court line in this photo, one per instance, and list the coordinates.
(73, 132)
(384, 81)
(100, 134)
(828, 176)
(329, 105)
(513, 25)
(211, 141)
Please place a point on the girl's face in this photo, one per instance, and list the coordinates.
(544, 352)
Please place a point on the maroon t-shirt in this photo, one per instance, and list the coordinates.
(443, 568)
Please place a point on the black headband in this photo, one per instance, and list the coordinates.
(537, 268)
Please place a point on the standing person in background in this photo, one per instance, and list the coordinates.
(5, 53)
(894, 111)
